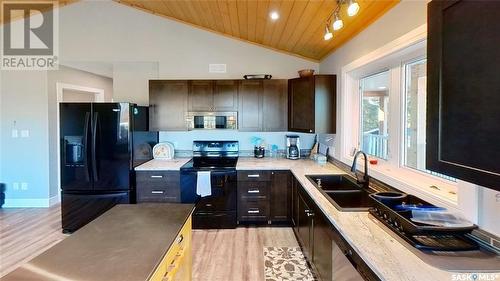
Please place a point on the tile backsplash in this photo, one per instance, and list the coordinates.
(184, 140)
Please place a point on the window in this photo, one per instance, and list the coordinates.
(414, 128)
(374, 114)
(415, 101)
(392, 112)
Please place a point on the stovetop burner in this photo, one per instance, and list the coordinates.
(210, 155)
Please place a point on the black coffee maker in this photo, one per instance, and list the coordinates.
(292, 147)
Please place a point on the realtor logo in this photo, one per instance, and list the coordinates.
(29, 35)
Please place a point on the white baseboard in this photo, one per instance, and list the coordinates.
(54, 200)
(27, 203)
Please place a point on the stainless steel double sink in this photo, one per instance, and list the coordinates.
(343, 192)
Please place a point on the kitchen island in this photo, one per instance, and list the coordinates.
(128, 242)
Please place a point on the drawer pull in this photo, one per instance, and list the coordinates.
(180, 239)
(157, 177)
(254, 191)
(253, 211)
(254, 176)
(157, 191)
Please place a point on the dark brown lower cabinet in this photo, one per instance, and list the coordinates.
(264, 196)
(305, 225)
(331, 257)
(160, 186)
(322, 245)
(281, 196)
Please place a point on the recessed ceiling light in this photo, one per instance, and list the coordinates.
(274, 15)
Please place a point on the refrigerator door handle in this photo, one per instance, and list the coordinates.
(94, 139)
(85, 146)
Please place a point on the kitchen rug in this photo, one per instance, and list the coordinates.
(286, 263)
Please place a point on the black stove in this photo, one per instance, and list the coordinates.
(218, 210)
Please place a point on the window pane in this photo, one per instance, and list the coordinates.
(374, 114)
(415, 116)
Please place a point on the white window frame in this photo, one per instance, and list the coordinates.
(392, 171)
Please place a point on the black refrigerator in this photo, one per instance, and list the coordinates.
(101, 143)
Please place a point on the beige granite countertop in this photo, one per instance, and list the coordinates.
(383, 253)
(163, 165)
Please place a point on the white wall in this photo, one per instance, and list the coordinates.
(75, 77)
(119, 34)
(130, 81)
(479, 204)
(24, 106)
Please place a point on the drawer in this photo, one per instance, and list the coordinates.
(178, 256)
(170, 193)
(253, 190)
(253, 211)
(254, 175)
(152, 177)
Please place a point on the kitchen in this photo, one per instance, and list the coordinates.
(181, 72)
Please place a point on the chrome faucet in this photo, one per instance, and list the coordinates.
(365, 180)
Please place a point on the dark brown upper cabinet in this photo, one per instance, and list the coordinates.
(250, 105)
(312, 104)
(275, 105)
(225, 95)
(213, 95)
(463, 90)
(167, 105)
(201, 95)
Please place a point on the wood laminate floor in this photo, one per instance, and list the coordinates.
(236, 254)
(27, 232)
(218, 255)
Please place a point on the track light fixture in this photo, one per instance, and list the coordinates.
(328, 34)
(353, 8)
(336, 20)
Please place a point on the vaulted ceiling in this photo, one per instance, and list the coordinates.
(298, 31)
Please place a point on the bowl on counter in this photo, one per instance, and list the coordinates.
(390, 198)
(306, 73)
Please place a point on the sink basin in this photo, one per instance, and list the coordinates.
(343, 192)
(333, 182)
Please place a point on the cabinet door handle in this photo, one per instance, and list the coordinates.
(254, 176)
(253, 211)
(157, 191)
(254, 191)
(157, 177)
(180, 239)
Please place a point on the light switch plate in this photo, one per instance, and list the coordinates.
(15, 185)
(25, 133)
(15, 133)
(24, 186)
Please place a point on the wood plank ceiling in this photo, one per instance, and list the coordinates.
(298, 31)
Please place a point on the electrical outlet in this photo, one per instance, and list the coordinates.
(15, 133)
(15, 185)
(25, 133)
(24, 186)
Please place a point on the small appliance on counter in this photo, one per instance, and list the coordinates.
(293, 147)
(259, 152)
(164, 151)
